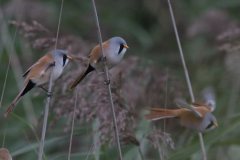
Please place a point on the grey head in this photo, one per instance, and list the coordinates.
(119, 45)
(209, 123)
(61, 57)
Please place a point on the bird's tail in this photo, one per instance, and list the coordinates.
(160, 113)
(81, 77)
(13, 104)
(27, 87)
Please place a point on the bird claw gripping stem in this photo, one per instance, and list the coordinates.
(49, 94)
(107, 82)
(103, 59)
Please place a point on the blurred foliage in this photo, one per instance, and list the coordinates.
(211, 53)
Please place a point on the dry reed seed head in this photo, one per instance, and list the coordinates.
(229, 44)
(128, 137)
(162, 136)
(31, 31)
(30, 10)
(230, 35)
(41, 38)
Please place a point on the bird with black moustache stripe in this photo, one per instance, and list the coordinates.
(39, 74)
(114, 50)
(196, 116)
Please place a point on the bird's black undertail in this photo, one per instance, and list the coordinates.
(82, 76)
(27, 88)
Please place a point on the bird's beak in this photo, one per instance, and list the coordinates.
(68, 57)
(215, 124)
(126, 46)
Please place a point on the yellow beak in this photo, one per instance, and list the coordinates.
(68, 57)
(215, 124)
(126, 46)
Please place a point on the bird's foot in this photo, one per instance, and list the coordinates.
(49, 94)
(107, 82)
(103, 58)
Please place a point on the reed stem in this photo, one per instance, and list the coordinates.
(186, 73)
(108, 85)
(48, 98)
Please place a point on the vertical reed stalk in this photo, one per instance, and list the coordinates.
(158, 144)
(165, 106)
(139, 149)
(108, 85)
(70, 145)
(17, 68)
(186, 74)
(49, 98)
(9, 60)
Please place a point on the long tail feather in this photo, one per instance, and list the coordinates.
(27, 87)
(81, 77)
(12, 105)
(159, 113)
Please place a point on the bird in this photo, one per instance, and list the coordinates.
(114, 50)
(4, 154)
(196, 116)
(39, 74)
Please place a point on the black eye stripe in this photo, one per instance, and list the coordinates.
(64, 59)
(121, 48)
(210, 125)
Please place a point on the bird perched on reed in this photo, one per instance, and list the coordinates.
(4, 154)
(39, 74)
(196, 116)
(114, 50)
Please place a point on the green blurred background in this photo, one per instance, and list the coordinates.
(210, 40)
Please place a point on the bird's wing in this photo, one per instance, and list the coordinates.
(30, 69)
(44, 65)
(183, 104)
(209, 97)
(95, 55)
(198, 104)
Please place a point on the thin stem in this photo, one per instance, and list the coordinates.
(49, 91)
(139, 149)
(186, 73)
(17, 68)
(70, 145)
(165, 106)
(108, 85)
(9, 61)
(89, 150)
(158, 144)
(181, 53)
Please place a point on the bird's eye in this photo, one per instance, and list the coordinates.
(210, 125)
(121, 48)
(64, 59)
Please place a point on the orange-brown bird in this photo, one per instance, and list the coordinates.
(114, 50)
(39, 73)
(196, 116)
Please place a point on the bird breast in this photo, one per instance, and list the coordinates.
(191, 121)
(57, 71)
